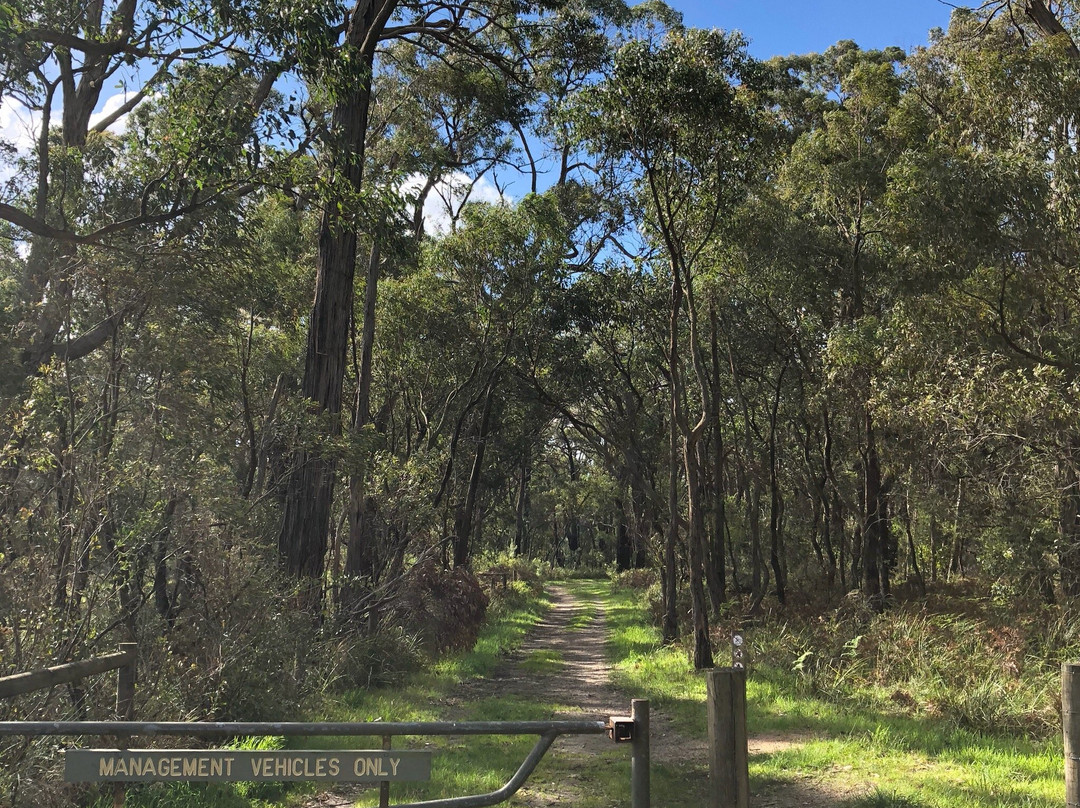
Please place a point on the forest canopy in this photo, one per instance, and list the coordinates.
(309, 311)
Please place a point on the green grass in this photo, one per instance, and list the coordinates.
(905, 762)
(585, 613)
(877, 758)
(543, 661)
(459, 767)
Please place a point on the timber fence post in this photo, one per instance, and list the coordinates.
(125, 704)
(639, 754)
(384, 786)
(729, 772)
(1070, 723)
(125, 682)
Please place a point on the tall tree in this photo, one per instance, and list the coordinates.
(838, 175)
(680, 115)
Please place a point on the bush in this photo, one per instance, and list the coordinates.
(635, 579)
(378, 659)
(517, 569)
(994, 673)
(444, 608)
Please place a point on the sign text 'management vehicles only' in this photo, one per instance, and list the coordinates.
(202, 765)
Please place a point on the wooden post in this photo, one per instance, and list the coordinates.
(1070, 722)
(125, 682)
(125, 704)
(728, 754)
(639, 754)
(19, 683)
(384, 786)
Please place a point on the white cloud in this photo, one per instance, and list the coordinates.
(448, 196)
(19, 130)
(112, 103)
(19, 126)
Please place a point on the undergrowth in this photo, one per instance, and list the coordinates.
(411, 697)
(969, 664)
(873, 705)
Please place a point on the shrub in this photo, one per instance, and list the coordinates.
(635, 579)
(383, 657)
(980, 670)
(519, 571)
(445, 608)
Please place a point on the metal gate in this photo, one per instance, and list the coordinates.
(632, 730)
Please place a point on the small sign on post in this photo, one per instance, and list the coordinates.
(738, 651)
(220, 765)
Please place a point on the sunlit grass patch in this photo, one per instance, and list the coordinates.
(883, 759)
(507, 624)
(543, 661)
(585, 614)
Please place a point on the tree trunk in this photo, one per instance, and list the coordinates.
(521, 510)
(956, 551)
(775, 503)
(716, 571)
(876, 566)
(715, 565)
(361, 562)
(1050, 26)
(466, 515)
(916, 572)
(671, 619)
(670, 585)
(573, 524)
(695, 552)
(302, 540)
(624, 549)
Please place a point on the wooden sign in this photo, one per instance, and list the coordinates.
(227, 765)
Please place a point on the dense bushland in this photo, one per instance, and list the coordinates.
(337, 302)
(957, 656)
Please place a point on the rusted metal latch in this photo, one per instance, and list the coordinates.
(620, 728)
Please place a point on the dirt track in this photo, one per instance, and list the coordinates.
(582, 685)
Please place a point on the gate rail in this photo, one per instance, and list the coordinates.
(633, 729)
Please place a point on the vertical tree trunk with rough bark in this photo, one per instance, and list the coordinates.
(671, 618)
(876, 567)
(466, 515)
(302, 541)
(775, 502)
(695, 552)
(521, 509)
(716, 569)
(361, 561)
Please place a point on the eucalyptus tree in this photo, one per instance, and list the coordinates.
(993, 201)
(837, 179)
(439, 121)
(680, 115)
(124, 220)
(494, 31)
(597, 372)
(509, 263)
(63, 195)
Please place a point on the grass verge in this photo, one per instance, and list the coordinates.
(482, 764)
(827, 751)
(852, 756)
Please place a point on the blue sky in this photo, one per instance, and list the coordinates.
(782, 27)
